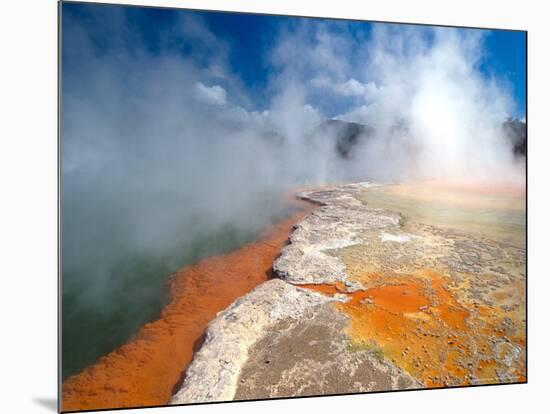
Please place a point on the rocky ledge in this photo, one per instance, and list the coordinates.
(365, 302)
(341, 221)
(213, 374)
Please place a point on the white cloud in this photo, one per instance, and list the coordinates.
(214, 95)
(350, 88)
(353, 87)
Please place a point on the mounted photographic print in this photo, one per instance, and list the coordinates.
(265, 206)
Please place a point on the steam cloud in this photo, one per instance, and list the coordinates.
(159, 145)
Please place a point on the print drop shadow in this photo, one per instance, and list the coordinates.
(48, 403)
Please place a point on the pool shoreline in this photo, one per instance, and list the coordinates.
(149, 367)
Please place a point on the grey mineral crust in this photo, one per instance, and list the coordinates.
(312, 356)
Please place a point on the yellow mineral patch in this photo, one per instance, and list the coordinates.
(419, 316)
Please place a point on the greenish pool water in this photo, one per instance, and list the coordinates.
(501, 217)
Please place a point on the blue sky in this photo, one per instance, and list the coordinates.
(249, 42)
(506, 57)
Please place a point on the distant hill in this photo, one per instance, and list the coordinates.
(346, 135)
(516, 131)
